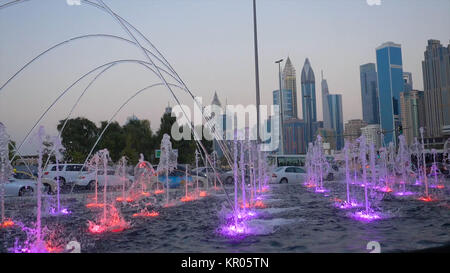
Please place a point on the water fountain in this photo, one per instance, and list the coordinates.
(58, 150)
(167, 162)
(403, 166)
(436, 184)
(350, 202)
(111, 220)
(5, 171)
(368, 214)
(93, 165)
(35, 242)
(122, 171)
(427, 197)
(187, 197)
(143, 175)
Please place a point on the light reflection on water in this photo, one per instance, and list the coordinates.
(296, 220)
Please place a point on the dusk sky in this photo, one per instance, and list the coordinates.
(210, 45)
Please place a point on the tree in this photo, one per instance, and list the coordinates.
(78, 138)
(113, 139)
(138, 139)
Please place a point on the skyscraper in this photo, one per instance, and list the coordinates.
(294, 135)
(332, 114)
(337, 119)
(288, 103)
(390, 84)
(408, 82)
(289, 82)
(369, 93)
(371, 132)
(325, 107)
(352, 129)
(412, 106)
(308, 82)
(436, 82)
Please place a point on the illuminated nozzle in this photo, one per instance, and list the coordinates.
(386, 189)
(53, 249)
(146, 213)
(233, 230)
(96, 229)
(187, 198)
(145, 194)
(257, 204)
(95, 205)
(366, 216)
(159, 191)
(113, 222)
(7, 224)
(427, 199)
(127, 199)
(440, 186)
(203, 194)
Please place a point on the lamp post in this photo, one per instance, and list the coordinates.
(280, 96)
(255, 35)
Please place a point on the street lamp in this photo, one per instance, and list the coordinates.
(280, 92)
(255, 36)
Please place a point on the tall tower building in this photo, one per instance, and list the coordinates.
(325, 107)
(436, 84)
(308, 82)
(369, 93)
(352, 129)
(289, 82)
(288, 103)
(390, 84)
(413, 114)
(408, 82)
(337, 119)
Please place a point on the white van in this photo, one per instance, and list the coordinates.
(67, 173)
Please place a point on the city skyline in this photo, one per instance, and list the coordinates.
(213, 39)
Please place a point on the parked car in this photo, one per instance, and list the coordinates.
(177, 178)
(209, 172)
(228, 177)
(288, 174)
(441, 169)
(25, 184)
(88, 180)
(67, 173)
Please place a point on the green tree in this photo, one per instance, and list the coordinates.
(113, 139)
(78, 138)
(138, 139)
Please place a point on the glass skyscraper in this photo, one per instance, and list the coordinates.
(337, 119)
(288, 103)
(436, 82)
(308, 82)
(325, 108)
(369, 93)
(390, 84)
(289, 82)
